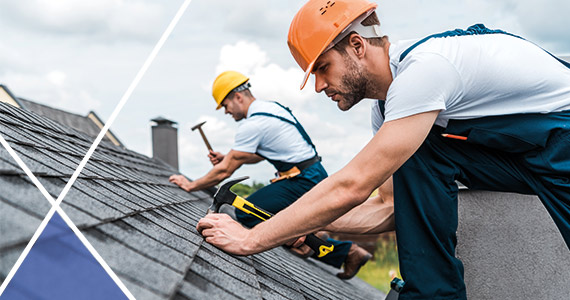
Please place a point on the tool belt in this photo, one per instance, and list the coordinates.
(296, 170)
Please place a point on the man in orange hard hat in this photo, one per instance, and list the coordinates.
(269, 131)
(480, 106)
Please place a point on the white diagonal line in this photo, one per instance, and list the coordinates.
(55, 204)
(124, 99)
(26, 170)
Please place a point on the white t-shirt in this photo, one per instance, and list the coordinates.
(270, 137)
(473, 76)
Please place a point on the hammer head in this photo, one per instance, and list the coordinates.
(224, 195)
(198, 126)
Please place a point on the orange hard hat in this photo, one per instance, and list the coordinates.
(317, 24)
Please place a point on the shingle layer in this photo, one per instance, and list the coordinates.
(68, 119)
(142, 225)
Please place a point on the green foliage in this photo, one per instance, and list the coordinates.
(245, 190)
(378, 272)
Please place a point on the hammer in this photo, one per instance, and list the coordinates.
(199, 127)
(225, 196)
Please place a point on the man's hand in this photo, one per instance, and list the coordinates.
(223, 232)
(298, 247)
(181, 181)
(215, 157)
(224, 167)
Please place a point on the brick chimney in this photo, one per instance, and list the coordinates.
(165, 141)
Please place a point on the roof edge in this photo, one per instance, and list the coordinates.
(14, 98)
(99, 122)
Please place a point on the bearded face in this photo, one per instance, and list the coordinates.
(352, 87)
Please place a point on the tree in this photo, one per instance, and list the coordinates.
(245, 190)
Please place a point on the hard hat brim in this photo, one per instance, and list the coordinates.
(307, 74)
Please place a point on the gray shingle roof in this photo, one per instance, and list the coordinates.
(142, 225)
(80, 123)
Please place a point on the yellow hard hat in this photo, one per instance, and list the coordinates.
(317, 25)
(225, 83)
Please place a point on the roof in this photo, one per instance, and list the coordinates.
(142, 225)
(90, 124)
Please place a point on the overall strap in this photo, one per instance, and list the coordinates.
(477, 29)
(381, 104)
(296, 123)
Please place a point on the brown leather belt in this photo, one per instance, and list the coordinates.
(296, 170)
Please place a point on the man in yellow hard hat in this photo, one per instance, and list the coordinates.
(481, 106)
(268, 130)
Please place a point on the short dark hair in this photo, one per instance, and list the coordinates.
(246, 92)
(372, 19)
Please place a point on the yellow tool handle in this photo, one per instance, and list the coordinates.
(249, 208)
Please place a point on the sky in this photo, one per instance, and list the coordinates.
(81, 55)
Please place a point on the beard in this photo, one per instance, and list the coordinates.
(354, 85)
(238, 116)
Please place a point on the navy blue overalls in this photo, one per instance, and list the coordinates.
(278, 195)
(521, 153)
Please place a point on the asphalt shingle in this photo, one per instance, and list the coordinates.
(195, 286)
(13, 233)
(226, 281)
(131, 264)
(23, 194)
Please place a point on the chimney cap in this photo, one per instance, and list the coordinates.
(163, 121)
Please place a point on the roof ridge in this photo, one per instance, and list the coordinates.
(48, 107)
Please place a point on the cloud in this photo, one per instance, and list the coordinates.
(257, 19)
(253, 19)
(192, 148)
(539, 21)
(52, 89)
(545, 22)
(56, 77)
(244, 57)
(269, 79)
(133, 19)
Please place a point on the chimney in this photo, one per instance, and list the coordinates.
(165, 141)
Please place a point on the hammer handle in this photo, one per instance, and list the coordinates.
(205, 139)
(320, 247)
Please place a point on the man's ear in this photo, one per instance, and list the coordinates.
(357, 45)
(238, 97)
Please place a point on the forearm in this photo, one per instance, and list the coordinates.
(374, 216)
(213, 177)
(329, 200)
(230, 162)
(367, 218)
